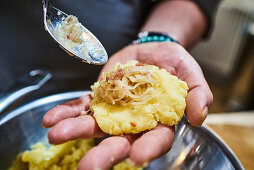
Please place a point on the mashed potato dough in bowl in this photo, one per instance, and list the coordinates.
(136, 97)
(65, 156)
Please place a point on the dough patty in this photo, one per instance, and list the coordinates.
(133, 98)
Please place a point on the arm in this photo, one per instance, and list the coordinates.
(183, 20)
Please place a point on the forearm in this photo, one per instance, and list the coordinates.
(181, 19)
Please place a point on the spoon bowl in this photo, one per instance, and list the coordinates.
(96, 54)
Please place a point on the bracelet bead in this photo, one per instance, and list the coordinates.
(144, 37)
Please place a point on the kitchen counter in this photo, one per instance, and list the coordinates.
(237, 130)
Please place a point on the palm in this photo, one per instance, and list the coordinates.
(67, 124)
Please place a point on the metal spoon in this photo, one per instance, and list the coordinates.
(96, 54)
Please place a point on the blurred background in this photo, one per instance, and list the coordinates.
(227, 59)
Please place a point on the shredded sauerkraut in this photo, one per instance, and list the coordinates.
(125, 86)
(133, 98)
(69, 32)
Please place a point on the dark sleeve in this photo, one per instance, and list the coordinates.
(209, 8)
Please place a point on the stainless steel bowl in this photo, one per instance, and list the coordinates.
(193, 148)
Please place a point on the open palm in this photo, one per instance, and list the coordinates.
(67, 124)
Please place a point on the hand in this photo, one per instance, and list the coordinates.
(67, 124)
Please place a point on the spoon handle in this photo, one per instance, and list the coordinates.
(45, 3)
(23, 86)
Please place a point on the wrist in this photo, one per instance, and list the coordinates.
(150, 36)
(182, 20)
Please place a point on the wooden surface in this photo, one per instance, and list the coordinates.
(238, 136)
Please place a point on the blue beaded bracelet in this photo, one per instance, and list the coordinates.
(144, 37)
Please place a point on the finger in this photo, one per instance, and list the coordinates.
(67, 110)
(177, 61)
(199, 97)
(152, 145)
(74, 128)
(197, 105)
(108, 153)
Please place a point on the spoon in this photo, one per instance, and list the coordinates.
(96, 54)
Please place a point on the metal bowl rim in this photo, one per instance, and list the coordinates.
(224, 146)
(76, 94)
(40, 102)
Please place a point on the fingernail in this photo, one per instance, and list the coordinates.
(129, 161)
(204, 113)
(97, 168)
(43, 125)
(133, 164)
(145, 164)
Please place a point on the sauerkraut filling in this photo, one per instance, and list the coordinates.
(78, 41)
(73, 37)
(69, 32)
(127, 86)
(135, 97)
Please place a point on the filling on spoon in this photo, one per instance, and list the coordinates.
(75, 38)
